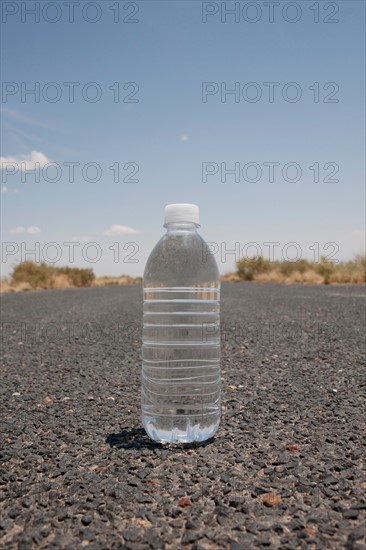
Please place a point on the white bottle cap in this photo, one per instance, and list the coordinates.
(181, 213)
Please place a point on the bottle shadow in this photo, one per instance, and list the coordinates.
(136, 438)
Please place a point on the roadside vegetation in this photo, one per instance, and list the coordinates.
(300, 271)
(35, 276)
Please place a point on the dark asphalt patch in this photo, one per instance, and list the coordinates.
(285, 470)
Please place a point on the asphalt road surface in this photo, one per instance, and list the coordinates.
(285, 470)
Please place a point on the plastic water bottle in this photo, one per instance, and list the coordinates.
(181, 334)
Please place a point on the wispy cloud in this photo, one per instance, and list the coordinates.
(20, 117)
(184, 138)
(33, 230)
(24, 140)
(17, 230)
(23, 129)
(25, 162)
(119, 230)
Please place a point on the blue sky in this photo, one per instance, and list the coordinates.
(168, 132)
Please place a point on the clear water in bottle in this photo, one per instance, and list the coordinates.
(181, 334)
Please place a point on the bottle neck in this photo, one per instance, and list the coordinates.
(181, 227)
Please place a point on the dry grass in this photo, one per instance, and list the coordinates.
(310, 277)
(32, 276)
(44, 276)
(123, 280)
(301, 271)
(105, 281)
(61, 281)
(275, 276)
(231, 277)
(5, 286)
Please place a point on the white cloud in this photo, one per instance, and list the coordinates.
(120, 230)
(25, 162)
(17, 230)
(184, 138)
(33, 230)
(5, 189)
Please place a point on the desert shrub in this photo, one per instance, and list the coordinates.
(288, 268)
(353, 271)
(78, 276)
(302, 271)
(42, 275)
(37, 275)
(60, 281)
(359, 268)
(248, 268)
(325, 269)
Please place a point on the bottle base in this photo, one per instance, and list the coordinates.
(190, 433)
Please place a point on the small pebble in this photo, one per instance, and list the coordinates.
(351, 513)
(86, 520)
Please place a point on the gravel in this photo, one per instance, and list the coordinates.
(285, 470)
